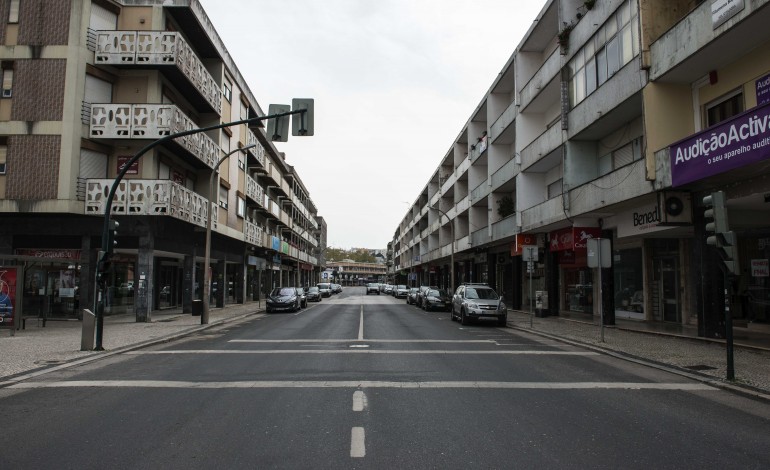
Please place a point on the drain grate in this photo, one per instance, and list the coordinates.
(700, 367)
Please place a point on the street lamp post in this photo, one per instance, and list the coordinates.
(207, 255)
(106, 252)
(452, 259)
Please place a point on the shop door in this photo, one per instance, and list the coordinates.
(667, 274)
(167, 283)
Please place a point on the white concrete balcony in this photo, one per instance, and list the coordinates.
(148, 197)
(480, 237)
(542, 214)
(164, 50)
(505, 174)
(253, 233)
(504, 121)
(481, 191)
(150, 122)
(254, 191)
(543, 145)
(693, 46)
(257, 152)
(504, 228)
(544, 75)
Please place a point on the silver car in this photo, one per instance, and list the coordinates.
(478, 302)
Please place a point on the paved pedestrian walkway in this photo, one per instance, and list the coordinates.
(673, 346)
(39, 348)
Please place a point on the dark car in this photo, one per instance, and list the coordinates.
(372, 288)
(421, 294)
(302, 297)
(325, 288)
(336, 289)
(411, 297)
(283, 299)
(313, 294)
(478, 302)
(436, 299)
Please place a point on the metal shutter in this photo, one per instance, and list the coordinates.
(93, 165)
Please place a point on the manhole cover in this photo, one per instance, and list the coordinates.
(700, 367)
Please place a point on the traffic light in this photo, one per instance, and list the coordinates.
(104, 264)
(278, 128)
(718, 231)
(302, 124)
(112, 231)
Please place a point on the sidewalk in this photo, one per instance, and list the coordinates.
(38, 347)
(673, 346)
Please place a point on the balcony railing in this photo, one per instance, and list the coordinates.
(258, 151)
(150, 122)
(158, 48)
(149, 197)
(254, 191)
(253, 233)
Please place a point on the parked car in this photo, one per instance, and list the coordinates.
(283, 299)
(372, 288)
(478, 302)
(401, 291)
(313, 294)
(325, 288)
(421, 294)
(336, 288)
(411, 297)
(302, 297)
(388, 289)
(436, 299)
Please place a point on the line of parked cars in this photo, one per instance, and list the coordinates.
(470, 302)
(291, 299)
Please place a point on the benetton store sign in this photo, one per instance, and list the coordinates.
(573, 238)
(740, 141)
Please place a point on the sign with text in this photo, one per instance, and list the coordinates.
(572, 238)
(762, 86)
(132, 170)
(760, 268)
(737, 142)
(8, 278)
(723, 10)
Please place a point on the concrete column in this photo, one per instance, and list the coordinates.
(146, 283)
(220, 276)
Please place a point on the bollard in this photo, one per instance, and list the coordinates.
(88, 332)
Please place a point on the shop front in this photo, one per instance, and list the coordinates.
(528, 247)
(51, 283)
(576, 283)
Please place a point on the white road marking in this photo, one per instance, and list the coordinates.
(360, 351)
(357, 443)
(368, 340)
(364, 384)
(359, 400)
(361, 325)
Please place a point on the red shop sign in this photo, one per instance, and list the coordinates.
(523, 239)
(573, 238)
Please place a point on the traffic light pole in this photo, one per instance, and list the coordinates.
(106, 253)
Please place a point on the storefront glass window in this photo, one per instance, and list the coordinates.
(579, 289)
(629, 296)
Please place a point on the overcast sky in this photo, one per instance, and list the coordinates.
(394, 82)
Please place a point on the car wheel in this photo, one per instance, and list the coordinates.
(463, 319)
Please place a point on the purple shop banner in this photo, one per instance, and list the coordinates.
(741, 141)
(763, 90)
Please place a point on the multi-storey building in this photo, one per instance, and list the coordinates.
(86, 85)
(591, 130)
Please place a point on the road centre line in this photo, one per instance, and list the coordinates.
(357, 442)
(487, 341)
(359, 351)
(365, 384)
(359, 400)
(361, 325)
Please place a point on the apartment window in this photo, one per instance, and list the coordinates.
(555, 188)
(241, 207)
(223, 197)
(612, 47)
(7, 79)
(241, 161)
(227, 90)
(622, 156)
(724, 108)
(13, 15)
(244, 110)
(225, 142)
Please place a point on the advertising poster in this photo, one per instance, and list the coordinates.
(8, 277)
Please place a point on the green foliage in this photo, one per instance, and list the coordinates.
(359, 255)
(505, 206)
